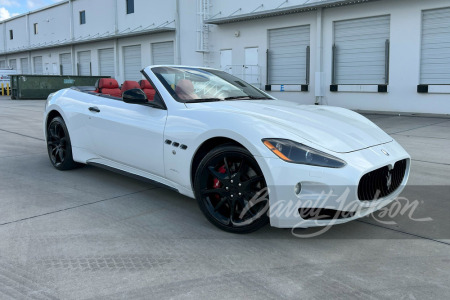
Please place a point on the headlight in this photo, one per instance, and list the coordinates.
(297, 153)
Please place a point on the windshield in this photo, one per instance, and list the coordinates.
(202, 85)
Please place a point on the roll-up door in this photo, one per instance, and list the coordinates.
(37, 65)
(66, 64)
(84, 63)
(435, 60)
(287, 55)
(132, 62)
(13, 64)
(106, 62)
(361, 51)
(25, 68)
(163, 53)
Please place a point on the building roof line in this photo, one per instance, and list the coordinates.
(34, 11)
(284, 11)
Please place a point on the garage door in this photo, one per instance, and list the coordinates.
(163, 53)
(106, 62)
(287, 55)
(25, 68)
(37, 65)
(360, 50)
(66, 64)
(435, 60)
(13, 64)
(84, 63)
(132, 62)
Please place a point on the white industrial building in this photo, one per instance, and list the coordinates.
(382, 55)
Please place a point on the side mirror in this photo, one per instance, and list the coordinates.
(135, 96)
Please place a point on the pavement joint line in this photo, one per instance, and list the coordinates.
(26, 154)
(442, 126)
(17, 107)
(21, 108)
(419, 127)
(425, 137)
(28, 136)
(405, 232)
(431, 162)
(77, 206)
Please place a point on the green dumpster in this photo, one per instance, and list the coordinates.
(40, 86)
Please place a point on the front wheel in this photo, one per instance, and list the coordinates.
(59, 146)
(231, 190)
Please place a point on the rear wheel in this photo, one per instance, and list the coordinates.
(231, 190)
(59, 146)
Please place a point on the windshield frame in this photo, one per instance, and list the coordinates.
(257, 94)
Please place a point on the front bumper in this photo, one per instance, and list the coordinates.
(327, 188)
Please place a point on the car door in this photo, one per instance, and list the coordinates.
(129, 134)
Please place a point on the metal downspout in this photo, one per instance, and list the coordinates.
(72, 35)
(319, 58)
(177, 33)
(116, 41)
(30, 64)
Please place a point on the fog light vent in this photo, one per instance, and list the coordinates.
(298, 188)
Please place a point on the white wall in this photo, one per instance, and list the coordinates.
(100, 17)
(53, 25)
(255, 34)
(146, 54)
(20, 36)
(188, 39)
(405, 38)
(405, 48)
(146, 12)
(404, 59)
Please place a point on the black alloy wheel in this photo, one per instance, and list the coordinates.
(59, 146)
(231, 190)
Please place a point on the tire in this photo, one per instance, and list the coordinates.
(231, 190)
(58, 145)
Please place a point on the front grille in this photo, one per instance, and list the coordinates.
(324, 214)
(381, 182)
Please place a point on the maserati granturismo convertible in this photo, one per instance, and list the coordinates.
(246, 157)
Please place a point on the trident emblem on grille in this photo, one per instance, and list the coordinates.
(389, 180)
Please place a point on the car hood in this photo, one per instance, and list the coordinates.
(336, 129)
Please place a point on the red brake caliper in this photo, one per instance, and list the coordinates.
(217, 184)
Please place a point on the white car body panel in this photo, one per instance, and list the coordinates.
(132, 137)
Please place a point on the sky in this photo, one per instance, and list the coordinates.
(11, 8)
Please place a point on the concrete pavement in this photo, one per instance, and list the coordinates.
(90, 233)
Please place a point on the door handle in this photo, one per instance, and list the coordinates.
(94, 109)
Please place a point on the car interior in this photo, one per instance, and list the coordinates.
(109, 87)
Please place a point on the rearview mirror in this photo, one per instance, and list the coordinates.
(134, 96)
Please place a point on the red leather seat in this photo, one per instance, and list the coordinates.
(148, 89)
(108, 86)
(129, 85)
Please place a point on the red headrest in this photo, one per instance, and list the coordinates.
(128, 85)
(145, 84)
(108, 83)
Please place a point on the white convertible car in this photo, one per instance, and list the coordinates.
(247, 158)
